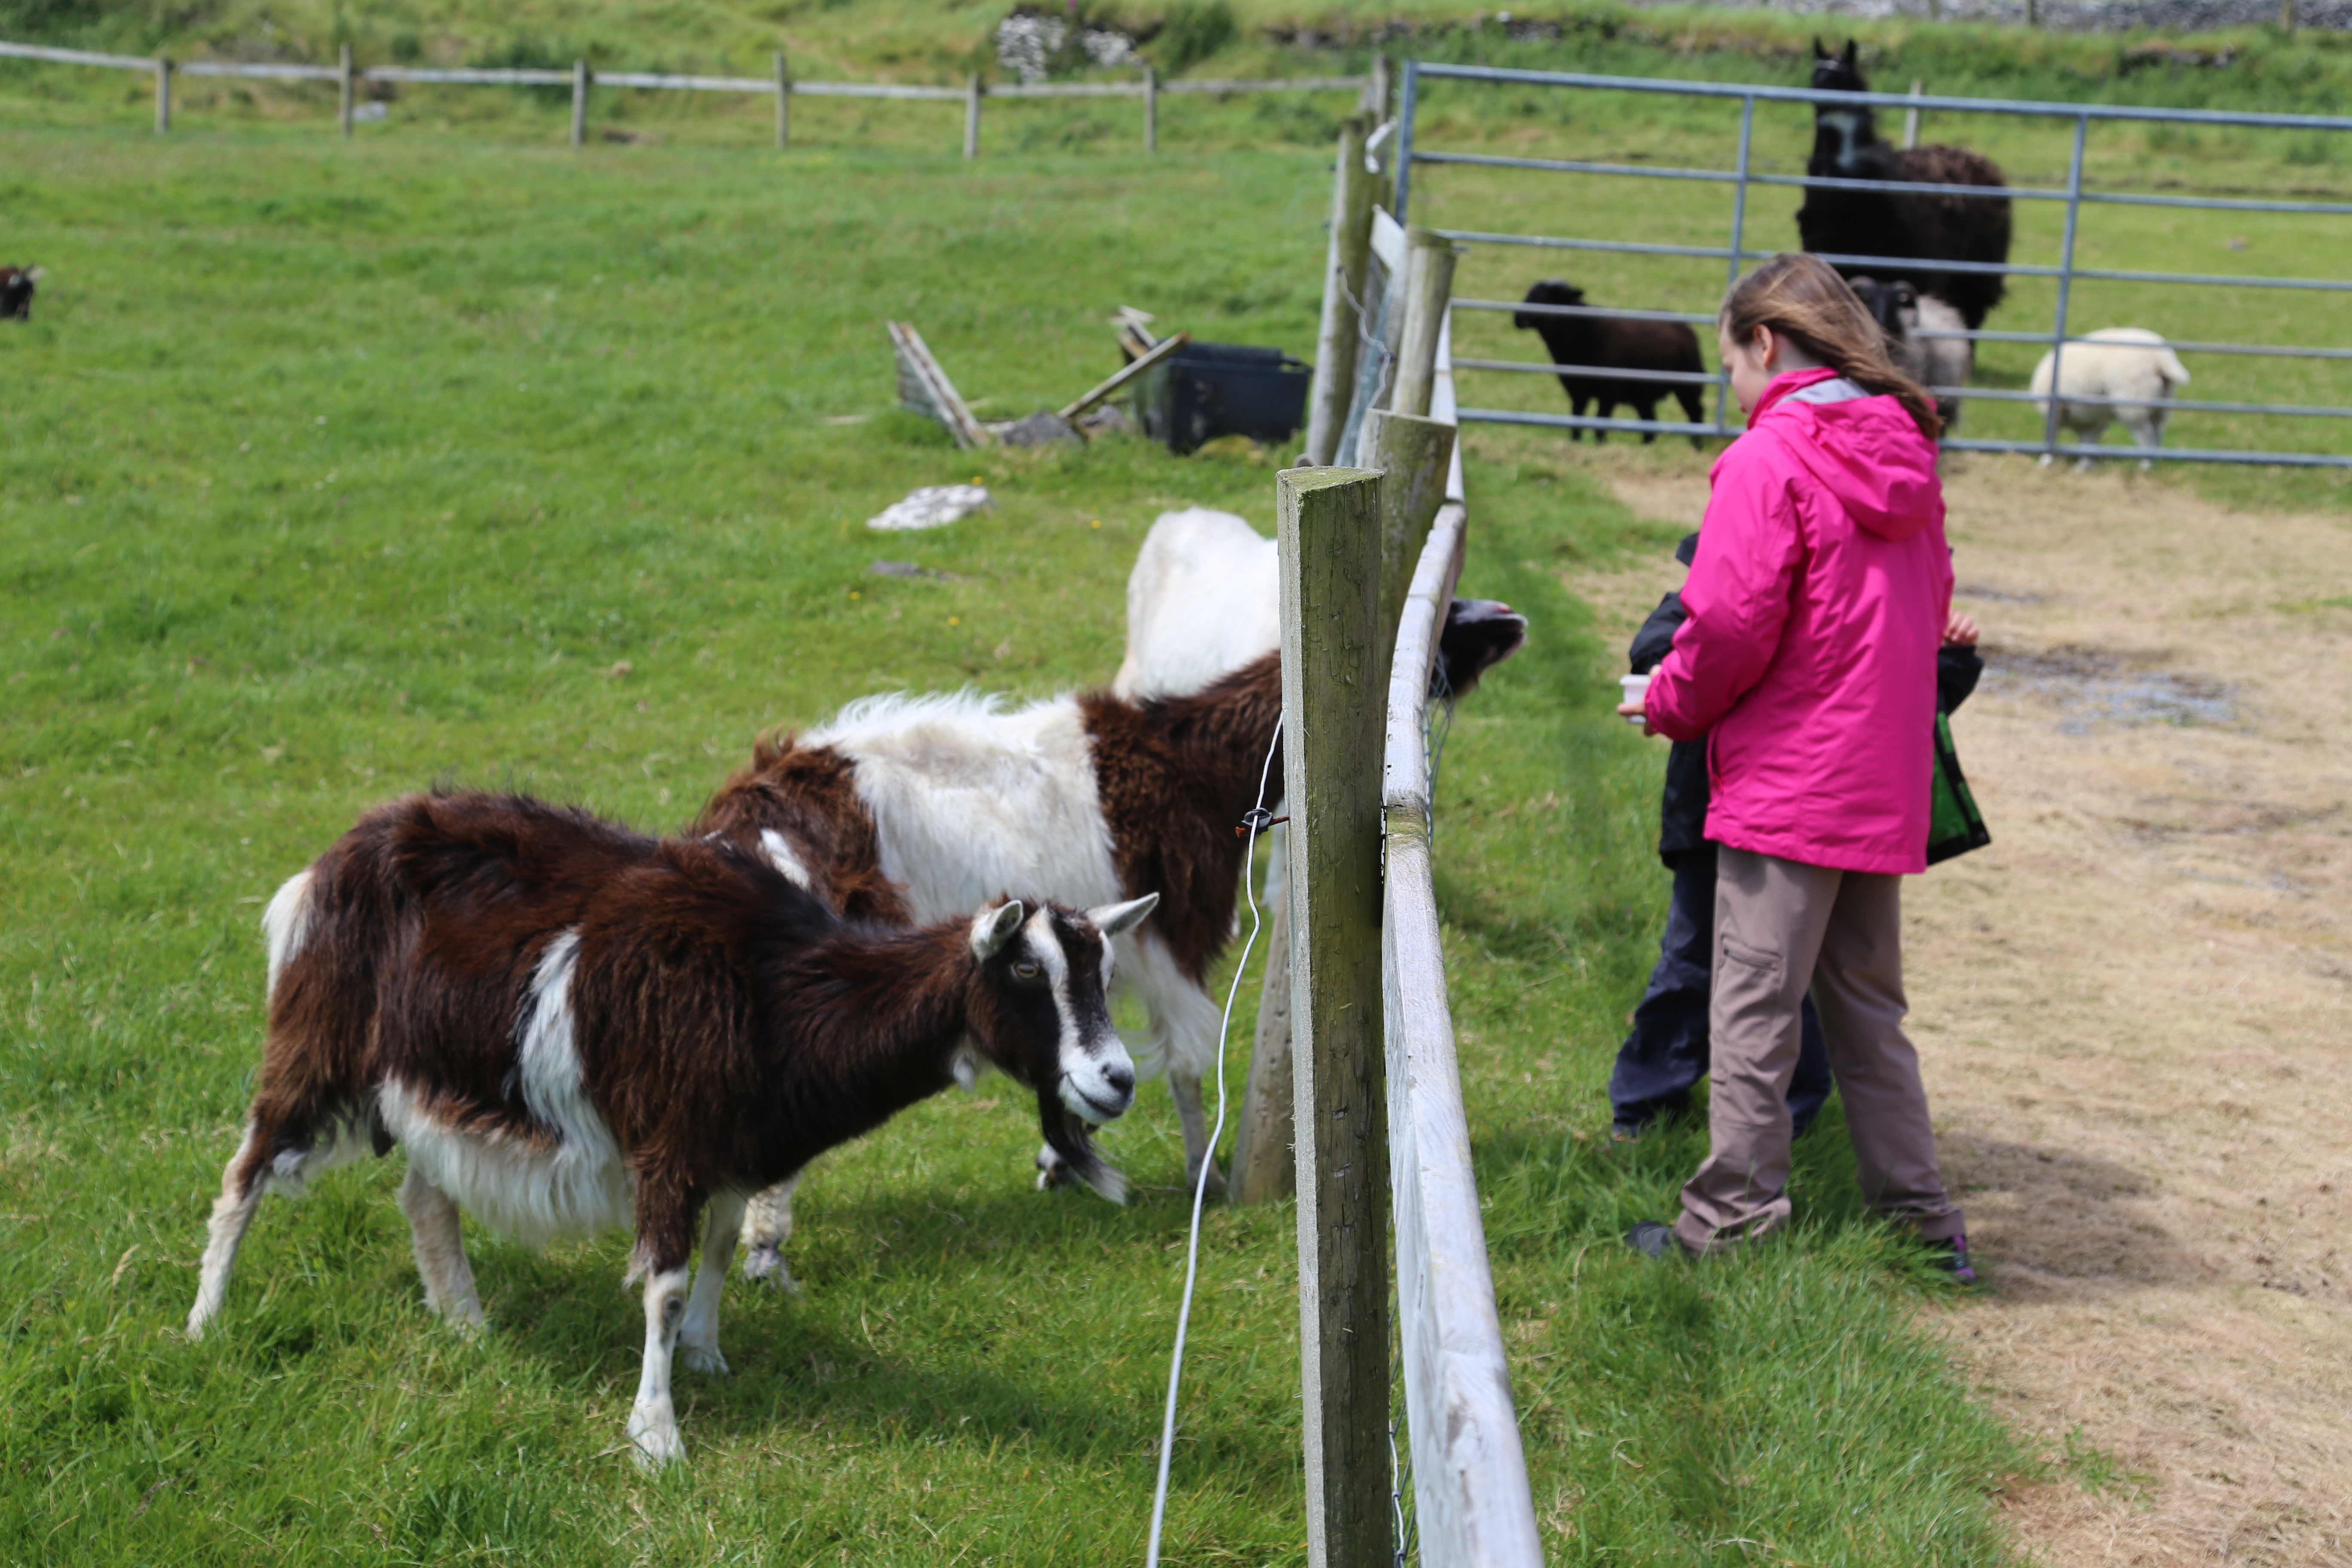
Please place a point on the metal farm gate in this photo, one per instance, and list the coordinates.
(2323, 142)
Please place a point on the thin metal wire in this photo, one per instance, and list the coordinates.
(1201, 1181)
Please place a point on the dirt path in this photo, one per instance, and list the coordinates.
(2135, 1006)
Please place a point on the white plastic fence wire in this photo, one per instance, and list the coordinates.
(1201, 1181)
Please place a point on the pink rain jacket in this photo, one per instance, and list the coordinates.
(1817, 602)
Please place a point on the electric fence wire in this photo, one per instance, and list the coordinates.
(1201, 1181)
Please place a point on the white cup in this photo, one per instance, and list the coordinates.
(1636, 688)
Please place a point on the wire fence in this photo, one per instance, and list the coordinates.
(581, 79)
(2065, 272)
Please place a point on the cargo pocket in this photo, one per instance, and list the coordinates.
(1763, 968)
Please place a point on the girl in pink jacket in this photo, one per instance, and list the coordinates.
(1816, 603)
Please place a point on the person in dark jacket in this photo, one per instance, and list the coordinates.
(1666, 1054)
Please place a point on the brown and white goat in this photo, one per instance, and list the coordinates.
(912, 807)
(573, 1028)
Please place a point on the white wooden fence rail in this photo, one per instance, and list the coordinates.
(1472, 1505)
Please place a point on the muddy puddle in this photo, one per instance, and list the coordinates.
(2093, 686)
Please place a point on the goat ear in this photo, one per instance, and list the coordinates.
(992, 928)
(1819, 53)
(1118, 920)
(1851, 61)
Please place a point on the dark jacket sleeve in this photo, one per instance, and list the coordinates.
(1957, 669)
(1656, 636)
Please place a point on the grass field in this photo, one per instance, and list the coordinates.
(333, 471)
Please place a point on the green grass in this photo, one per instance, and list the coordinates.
(333, 471)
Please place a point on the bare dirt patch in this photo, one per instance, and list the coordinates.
(2134, 1008)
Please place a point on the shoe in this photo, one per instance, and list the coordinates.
(1653, 1239)
(1953, 1258)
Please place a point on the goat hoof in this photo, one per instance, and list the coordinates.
(656, 1439)
(704, 1360)
(766, 1264)
(1051, 1172)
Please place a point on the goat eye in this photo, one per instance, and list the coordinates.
(1026, 970)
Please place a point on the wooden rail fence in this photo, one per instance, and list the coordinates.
(1370, 556)
(781, 85)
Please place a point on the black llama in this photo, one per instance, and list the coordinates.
(1907, 224)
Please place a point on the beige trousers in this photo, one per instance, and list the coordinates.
(1780, 926)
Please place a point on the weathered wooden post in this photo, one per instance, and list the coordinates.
(162, 94)
(1428, 286)
(343, 90)
(1151, 109)
(1414, 455)
(1911, 118)
(1346, 255)
(1378, 90)
(783, 101)
(579, 102)
(2286, 16)
(1334, 720)
(1265, 1166)
(971, 116)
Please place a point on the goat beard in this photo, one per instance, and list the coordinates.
(1073, 1140)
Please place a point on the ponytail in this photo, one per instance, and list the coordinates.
(1801, 299)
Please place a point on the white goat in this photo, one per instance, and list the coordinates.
(1203, 601)
(2131, 364)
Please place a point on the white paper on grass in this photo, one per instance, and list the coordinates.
(933, 506)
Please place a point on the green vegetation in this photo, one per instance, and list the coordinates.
(331, 471)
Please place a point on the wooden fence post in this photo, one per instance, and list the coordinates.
(1414, 455)
(1428, 286)
(1151, 109)
(1334, 725)
(783, 101)
(971, 116)
(579, 102)
(1346, 255)
(1378, 90)
(1265, 1162)
(1911, 118)
(2286, 16)
(344, 91)
(162, 94)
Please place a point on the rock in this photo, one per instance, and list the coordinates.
(1042, 428)
(933, 506)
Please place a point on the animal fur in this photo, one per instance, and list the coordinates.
(2129, 363)
(1076, 797)
(1901, 223)
(16, 284)
(573, 1028)
(1616, 343)
(1916, 327)
(1203, 600)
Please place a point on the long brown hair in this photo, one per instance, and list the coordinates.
(1801, 299)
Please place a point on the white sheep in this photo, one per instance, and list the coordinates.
(2129, 364)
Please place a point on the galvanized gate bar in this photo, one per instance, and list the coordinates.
(1876, 99)
(2064, 273)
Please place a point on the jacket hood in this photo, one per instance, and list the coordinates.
(1863, 448)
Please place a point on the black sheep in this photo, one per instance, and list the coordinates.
(16, 293)
(1904, 224)
(1615, 342)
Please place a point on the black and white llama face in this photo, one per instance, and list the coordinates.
(1838, 72)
